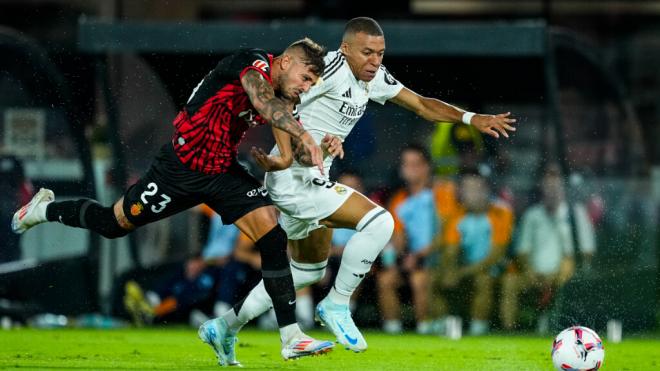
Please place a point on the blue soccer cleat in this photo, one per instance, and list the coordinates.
(216, 333)
(338, 319)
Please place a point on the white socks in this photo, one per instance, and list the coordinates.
(373, 232)
(258, 301)
(305, 310)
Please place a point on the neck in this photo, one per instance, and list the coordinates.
(416, 187)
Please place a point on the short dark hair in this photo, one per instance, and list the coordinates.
(422, 150)
(363, 24)
(313, 54)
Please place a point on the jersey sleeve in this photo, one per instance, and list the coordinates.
(251, 59)
(384, 86)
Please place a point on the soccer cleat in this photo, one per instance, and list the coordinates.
(33, 213)
(303, 345)
(338, 319)
(136, 305)
(215, 333)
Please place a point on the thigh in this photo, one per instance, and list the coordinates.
(349, 214)
(304, 201)
(256, 223)
(314, 248)
(156, 196)
(236, 194)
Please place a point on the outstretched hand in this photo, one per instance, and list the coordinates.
(333, 146)
(262, 159)
(494, 125)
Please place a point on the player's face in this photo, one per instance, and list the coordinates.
(364, 54)
(296, 79)
(414, 168)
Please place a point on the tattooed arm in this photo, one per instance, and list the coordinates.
(278, 114)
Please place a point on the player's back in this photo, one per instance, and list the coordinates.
(218, 112)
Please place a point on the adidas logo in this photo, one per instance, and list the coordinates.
(347, 94)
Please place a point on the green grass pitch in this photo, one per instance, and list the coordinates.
(180, 349)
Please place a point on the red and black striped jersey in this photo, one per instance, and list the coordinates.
(218, 113)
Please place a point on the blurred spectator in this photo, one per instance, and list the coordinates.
(474, 240)
(15, 190)
(545, 250)
(216, 278)
(416, 224)
(455, 146)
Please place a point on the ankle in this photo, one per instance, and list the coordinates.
(289, 332)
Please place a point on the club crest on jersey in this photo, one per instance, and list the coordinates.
(260, 65)
(340, 189)
(136, 208)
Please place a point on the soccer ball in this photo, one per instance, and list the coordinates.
(577, 348)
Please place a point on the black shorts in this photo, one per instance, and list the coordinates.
(170, 187)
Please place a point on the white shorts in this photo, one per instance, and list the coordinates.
(304, 198)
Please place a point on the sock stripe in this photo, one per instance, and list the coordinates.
(83, 209)
(308, 269)
(382, 211)
(276, 274)
(334, 286)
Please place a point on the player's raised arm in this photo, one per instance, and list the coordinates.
(436, 110)
(276, 112)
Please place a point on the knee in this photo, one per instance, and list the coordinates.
(106, 221)
(120, 216)
(115, 230)
(379, 221)
(379, 225)
(387, 223)
(272, 248)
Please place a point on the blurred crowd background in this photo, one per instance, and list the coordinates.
(554, 226)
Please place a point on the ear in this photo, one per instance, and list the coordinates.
(344, 47)
(286, 61)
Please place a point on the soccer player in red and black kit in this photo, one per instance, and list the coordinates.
(247, 88)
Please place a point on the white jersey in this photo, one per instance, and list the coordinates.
(339, 100)
(333, 106)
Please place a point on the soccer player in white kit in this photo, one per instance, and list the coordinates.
(310, 203)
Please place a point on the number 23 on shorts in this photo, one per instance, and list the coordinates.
(149, 193)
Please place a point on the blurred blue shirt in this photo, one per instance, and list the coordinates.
(222, 239)
(341, 236)
(476, 237)
(420, 219)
